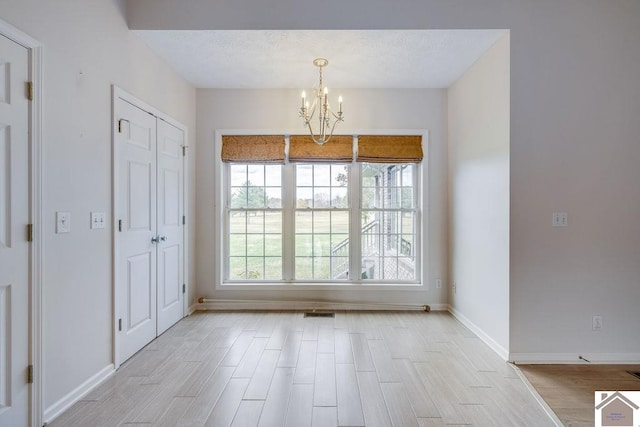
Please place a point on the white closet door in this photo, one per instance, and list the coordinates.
(14, 248)
(136, 254)
(170, 228)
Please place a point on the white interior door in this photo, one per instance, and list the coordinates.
(14, 248)
(136, 233)
(170, 227)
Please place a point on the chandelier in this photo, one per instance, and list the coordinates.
(327, 119)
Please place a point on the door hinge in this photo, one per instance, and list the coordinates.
(119, 324)
(184, 150)
(30, 91)
(184, 288)
(120, 225)
(29, 232)
(120, 124)
(30, 374)
(184, 220)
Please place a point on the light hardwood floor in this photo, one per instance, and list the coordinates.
(570, 389)
(281, 369)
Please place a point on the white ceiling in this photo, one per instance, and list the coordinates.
(357, 58)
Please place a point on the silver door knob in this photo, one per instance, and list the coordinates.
(154, 239)
(163, 238)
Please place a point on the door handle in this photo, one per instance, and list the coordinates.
(163, 238)
(155, 239)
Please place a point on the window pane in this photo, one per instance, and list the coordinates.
(339, 175)
(321, 244)
(255, 245)
(237, 245)
(273, 245)
(304, 175)
(273, 268)
(304, 245)
(304, 221)
(237, 222)
(321, 197)
(321, 268)
(274, 197)
(255, 222)
(237, 268)
(340, 222)
(238, 175)
(255, 175)
(273, 222)
(339, 197)
(304, 198)
(321, 175)
(255, 268)
(322, 222)
(304, 268)
(273, 176)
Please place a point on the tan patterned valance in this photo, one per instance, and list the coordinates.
(389, 148)
(253, 148)
(338, 149)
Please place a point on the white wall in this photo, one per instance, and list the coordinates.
(364, 110)
(575, 103)
(479, 195)
(87, 47)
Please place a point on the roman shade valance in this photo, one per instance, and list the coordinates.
(253, 148)
(303, 149)
(389, 148)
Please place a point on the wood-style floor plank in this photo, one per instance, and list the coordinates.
(348, 396)
(324, 416)
(300, 408)
(225, 409)
(324, 393)
(261, 380)
(275, 406)
(248, 413)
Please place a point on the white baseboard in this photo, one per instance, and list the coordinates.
(192, 309)
(78, 393)
(501, 351)
(303, 305)
(574, 359)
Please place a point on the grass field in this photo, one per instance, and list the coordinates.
(255, 244)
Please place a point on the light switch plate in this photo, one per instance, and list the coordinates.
(63, 222)
(97, 220)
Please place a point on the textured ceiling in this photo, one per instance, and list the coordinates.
(357, 58)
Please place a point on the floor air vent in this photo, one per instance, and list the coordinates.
(314, 314)
(635, 374)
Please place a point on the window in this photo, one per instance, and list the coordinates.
(322, 222)
(255, 222)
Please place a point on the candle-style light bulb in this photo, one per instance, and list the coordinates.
(304, 95)
(340, 104)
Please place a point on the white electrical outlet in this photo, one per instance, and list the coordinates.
(438, 283)
(560, 219)
(596, 323)
(63, 222)
(98, 220)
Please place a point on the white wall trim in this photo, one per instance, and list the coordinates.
(36, 207)
(302, 305)
(573, 358)
(501, 351)
(78, 393)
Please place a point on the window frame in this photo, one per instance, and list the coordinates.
(222, 176)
